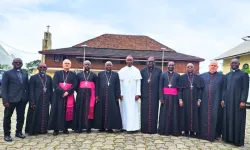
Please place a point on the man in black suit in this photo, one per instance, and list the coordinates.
(14, 95)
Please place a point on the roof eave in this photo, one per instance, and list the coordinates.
(77, 54)
(233, 56)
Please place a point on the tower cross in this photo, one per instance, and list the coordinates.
(48, 28)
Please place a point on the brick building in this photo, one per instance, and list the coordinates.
(115, 48)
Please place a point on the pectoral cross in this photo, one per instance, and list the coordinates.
(86, 83)
(64, 83)
(191, 87)
(44, 89)
(148, 80)
(169, 85)
(108, 83)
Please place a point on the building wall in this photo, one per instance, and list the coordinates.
(180, 66)
(243, 60)
(226, 65)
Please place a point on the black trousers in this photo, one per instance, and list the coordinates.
(20, 110)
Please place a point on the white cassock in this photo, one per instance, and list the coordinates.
(130, 80)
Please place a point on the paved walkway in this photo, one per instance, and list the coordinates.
(118, 141)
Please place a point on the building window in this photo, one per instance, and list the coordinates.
(143, 63)
(65, 57)
(56, 58)
(121, 62)
(136, 63)
(159, 64)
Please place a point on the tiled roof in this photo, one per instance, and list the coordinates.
(129, 42)
(118, 53)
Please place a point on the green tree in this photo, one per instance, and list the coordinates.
(246, 68)
(31, 65)
(5, 67)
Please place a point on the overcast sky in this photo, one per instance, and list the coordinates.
(201, 28)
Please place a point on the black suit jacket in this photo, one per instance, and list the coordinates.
(12, 88)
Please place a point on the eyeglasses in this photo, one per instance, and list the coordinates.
(190, 67)
(17, 62)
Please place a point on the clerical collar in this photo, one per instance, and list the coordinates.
(170, 71)
(108, 71)
(235, 70)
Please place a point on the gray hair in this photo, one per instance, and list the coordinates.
(108, 62)
(214, 62)
(66, 60)
(87, 62)
(171, 62)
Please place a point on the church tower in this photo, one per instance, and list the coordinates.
(46, 42)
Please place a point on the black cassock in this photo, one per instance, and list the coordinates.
(190, 91)
(234, 117)
(107, 110)
(150, 99)
(212, 95)
(169, 110)
(37, 118)
(57, 119)
(83, 101)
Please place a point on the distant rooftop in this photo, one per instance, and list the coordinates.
(128, 42)
(5, 58)
(120, 46)
(241, 49)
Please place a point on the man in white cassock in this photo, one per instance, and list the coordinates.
(130, 80)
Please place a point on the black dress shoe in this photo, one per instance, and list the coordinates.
(20, 135)
(7, 138)
(192, 134)
(56, 133)
(110, 131)
(186, 134)
(89, 131)
(66, 132)
(44, 132)
(101, 130)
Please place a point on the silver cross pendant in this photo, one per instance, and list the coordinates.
(44, 89)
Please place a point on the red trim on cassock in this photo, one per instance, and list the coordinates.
(209, 105)
(70, 101)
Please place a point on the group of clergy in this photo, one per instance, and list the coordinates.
(205, 106)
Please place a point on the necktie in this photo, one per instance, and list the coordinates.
(19, 74)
